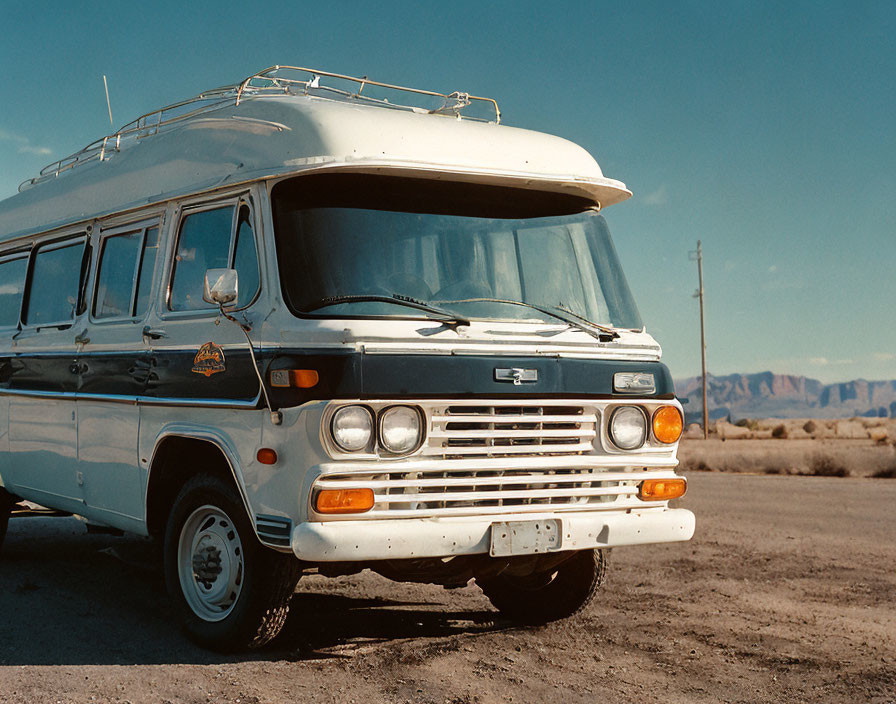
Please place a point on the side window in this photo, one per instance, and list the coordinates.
(245, 258)
(147, 267)
(210, 239)
(52, 295)
(124, 278)
(12, 283)
(115, 280)
(204, 243)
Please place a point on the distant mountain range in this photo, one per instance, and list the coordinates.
(768, 395)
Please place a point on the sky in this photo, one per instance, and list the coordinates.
(765, 130)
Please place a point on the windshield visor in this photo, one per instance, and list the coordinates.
(448, 245)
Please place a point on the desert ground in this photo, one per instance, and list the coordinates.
(786, 593)
(856, 447)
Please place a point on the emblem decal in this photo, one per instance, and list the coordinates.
(517, 375)
(209, 360)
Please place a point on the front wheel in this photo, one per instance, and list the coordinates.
(549, 595)
(229, 590)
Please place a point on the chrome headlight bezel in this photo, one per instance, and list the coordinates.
(414, 427)
(364, 417)
(632, 437)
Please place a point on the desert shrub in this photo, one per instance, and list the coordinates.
(886, 473)
(773, 469)
(748, 423)
(695, 466)
(822, 465)
(779, 432)
(810, 427)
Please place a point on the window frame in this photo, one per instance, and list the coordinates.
(12, 255)
(141, 226)
(62, 241)
(235, 202)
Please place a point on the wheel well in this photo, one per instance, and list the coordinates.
(175, 461)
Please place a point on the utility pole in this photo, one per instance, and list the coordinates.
(698, 255)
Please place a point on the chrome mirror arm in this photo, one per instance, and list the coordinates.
(276, 416)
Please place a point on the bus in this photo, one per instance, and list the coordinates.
(313, 322)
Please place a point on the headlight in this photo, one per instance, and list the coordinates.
(352, 428)
(628, 427)
(400, 429)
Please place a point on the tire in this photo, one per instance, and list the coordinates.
(230, 592)
(555, 594)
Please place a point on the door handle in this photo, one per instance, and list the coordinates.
(154, 333)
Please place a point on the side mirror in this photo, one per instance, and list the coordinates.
(220, 287)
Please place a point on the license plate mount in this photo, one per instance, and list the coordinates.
(525, 537)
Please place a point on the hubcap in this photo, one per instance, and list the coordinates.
(210, 563)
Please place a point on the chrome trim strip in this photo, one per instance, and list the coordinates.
(134, 400)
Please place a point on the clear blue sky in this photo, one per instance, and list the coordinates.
(768, 130)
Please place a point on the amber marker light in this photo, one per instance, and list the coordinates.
(266, 456)
(344, 500)
(296, 378)
(662, 489)
(667, 424)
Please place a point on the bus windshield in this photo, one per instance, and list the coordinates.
(348, 245)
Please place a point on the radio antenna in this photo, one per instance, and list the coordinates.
(108, 104)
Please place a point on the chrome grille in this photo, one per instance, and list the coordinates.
(493, 491)
(495, 430)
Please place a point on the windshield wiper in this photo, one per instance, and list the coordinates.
(597, 331)
(450, 319)
(603, 328)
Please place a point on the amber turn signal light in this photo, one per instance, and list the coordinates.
(297, 378)
(667, 424)
(344, 500)
(662, 489)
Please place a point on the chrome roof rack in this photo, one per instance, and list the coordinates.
(273, 81)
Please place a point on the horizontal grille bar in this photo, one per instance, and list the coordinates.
(547, 507)
(483, 479)
(513, 433)
(527, 418)
(504, 495)
(560, 448)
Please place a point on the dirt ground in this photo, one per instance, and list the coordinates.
(855, 457)
(786, 593)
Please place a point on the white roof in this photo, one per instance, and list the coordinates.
(268, 136)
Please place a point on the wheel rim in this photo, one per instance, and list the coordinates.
(210, 563)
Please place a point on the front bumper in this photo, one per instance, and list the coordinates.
(396, 539)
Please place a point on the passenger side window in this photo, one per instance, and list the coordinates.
(147, 268)
(115, 280)
(12, 283)
(125, 273)
(245, 258)
(55, 281)
(210, 239)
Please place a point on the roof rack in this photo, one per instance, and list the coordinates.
(272, 81)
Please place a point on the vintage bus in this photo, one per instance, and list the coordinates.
(316, 322)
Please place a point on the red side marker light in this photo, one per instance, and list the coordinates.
(266, 456)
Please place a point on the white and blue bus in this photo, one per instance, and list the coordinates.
(313, 322)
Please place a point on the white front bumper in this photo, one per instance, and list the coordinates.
(396, 539)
